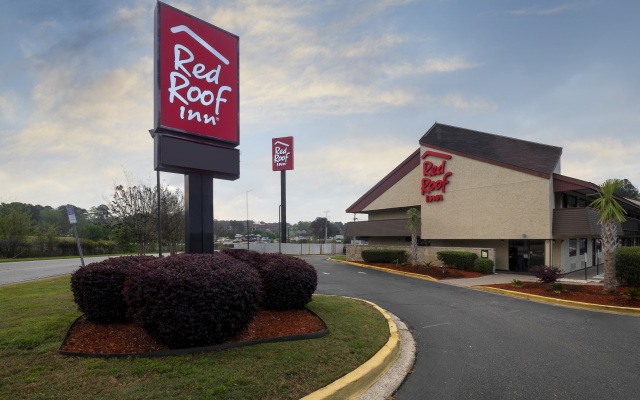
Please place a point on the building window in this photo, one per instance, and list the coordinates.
(583, 202)
(583, 246)
(572, 201)
(573, 244)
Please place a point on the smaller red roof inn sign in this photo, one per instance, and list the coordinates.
(196, 76)
(282, 153)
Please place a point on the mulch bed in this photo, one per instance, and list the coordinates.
(126, 338)
(434, 272)
(583, 293)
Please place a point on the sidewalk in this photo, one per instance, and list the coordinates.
(576, 277)
(498, 277)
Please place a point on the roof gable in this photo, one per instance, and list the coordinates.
(391, 179)
(529, 157)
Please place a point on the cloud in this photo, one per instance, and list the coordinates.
(79, 136)
(548, 11)
(9, 106)
(292, 65)
(428, 67)
(598, 159)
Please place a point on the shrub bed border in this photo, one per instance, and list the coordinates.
(194, 350)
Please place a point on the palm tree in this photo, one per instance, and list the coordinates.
(413, 225)
(610, 214)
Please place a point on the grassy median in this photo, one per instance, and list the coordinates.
(34, 317)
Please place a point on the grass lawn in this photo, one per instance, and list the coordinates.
(34, 317)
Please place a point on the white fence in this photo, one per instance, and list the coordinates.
(293, 248)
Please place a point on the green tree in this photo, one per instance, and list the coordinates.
(413, 224)
(320, 225)
(610, 214)
(15, 225)
(628, 190)
(132, 211)
(173, 220)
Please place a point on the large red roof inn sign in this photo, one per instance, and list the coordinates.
(196, 77)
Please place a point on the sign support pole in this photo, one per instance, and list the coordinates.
(283, 201)
(159, 216)
(198, 203)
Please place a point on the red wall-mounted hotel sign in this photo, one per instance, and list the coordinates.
(435, 176)
(282, 153)
(196, 77)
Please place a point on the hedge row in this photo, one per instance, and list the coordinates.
(483, 265)
(458, 259)
(384, 256)
(191, 300)
(628, 265)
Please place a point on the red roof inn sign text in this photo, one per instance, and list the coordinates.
(197, 74)
(435, 176)
(196, 99)
(282, 153)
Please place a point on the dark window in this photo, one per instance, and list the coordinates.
(573, 244)
(572, 201)
(583, 246)
(583, 202)
(563, 200)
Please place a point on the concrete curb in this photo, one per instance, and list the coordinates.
(542, 299)
(560, 302)
(393, 271)
(358, 381)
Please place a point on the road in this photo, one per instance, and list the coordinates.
(21, 271)
(477, 345)
(471, 344)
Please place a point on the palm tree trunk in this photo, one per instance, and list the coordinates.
(609, 271)
(414, 248)
(609, 239)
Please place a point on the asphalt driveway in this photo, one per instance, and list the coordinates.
(476, 345)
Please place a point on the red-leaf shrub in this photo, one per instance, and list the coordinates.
(288, 282)
(546, 273)
(191, 300)
(97, 288)
(251, 257)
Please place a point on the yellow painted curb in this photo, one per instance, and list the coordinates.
(561, 302)
(358, 381)
(393, 271)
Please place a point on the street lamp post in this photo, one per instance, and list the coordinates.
(248, 218)
(326, 223)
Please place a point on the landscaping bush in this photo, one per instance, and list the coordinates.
(458, 259)
(191, 300)
(628, 265)
(483, 265)
(251, 257)
(384, 256)
(288, 282)
(97, 288)
(546, 273)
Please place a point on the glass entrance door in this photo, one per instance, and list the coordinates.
(524, 254)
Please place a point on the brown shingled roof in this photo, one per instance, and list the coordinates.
(534, 158)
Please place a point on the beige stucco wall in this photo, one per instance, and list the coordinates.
(405, 193)
(485, 201)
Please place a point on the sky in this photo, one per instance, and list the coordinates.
(356, 83)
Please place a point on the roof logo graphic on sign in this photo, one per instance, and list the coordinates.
(185, 29)
(279, 142)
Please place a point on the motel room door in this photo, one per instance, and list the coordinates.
(524, 254)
